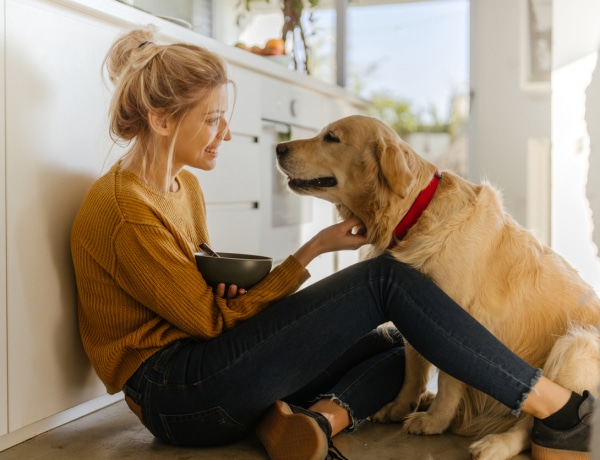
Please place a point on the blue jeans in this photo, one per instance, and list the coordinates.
(321, 342)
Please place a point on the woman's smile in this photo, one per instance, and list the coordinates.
(213, 150)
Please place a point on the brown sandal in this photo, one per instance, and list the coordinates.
(292, 433)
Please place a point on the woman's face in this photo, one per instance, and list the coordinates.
(201, 132)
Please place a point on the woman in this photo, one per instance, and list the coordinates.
(204, 367)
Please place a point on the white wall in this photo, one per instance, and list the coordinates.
(575, 96)
(576, 142)
(505, 115)
(511, 119)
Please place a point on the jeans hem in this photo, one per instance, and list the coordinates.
(536, 378)
(353, 422)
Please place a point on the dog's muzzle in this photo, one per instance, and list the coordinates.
(320, 182)
(297, 184)
(281, 150)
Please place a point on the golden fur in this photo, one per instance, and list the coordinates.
(523, 292)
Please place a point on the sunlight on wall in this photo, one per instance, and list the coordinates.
(572, 219)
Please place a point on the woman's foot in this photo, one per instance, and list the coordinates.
(292, 433)
(570, 444)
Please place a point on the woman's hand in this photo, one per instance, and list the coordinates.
(232, 291)
(349, 234)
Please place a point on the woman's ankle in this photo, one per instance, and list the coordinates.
(546, 398)
(337, 416)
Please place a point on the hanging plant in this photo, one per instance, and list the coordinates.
(292, 30)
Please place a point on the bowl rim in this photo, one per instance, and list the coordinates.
(233, 256)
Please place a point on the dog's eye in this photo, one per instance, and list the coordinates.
(330, 137)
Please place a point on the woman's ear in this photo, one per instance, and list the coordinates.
(159, 123)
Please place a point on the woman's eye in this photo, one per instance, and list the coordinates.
(214, 121)
(330, 137)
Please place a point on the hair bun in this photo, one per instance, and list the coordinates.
(122, 51)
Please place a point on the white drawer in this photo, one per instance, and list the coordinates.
(234, 228)
(236, 176)
(286, 103)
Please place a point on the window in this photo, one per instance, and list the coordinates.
(411, 58)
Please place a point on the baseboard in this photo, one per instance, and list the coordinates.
(30, 431)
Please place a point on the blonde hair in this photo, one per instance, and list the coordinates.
(161, 79)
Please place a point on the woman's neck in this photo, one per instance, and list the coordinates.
(154, 174)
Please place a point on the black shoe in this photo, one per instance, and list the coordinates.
(574, 444)
(292, 433)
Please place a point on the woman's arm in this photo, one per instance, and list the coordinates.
(158, 270)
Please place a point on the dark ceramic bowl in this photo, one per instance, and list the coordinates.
(243, 270)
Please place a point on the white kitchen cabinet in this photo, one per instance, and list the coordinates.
(232, 189)
(294, 105)
(234, 228)
(232, 195)
(246, 105)
(56, 143)
(235, 178)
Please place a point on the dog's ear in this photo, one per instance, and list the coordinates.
(393, 167)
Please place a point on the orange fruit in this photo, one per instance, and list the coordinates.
(274, 46)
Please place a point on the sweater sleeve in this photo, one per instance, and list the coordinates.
(161, 274)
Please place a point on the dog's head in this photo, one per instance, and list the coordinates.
(358, 163)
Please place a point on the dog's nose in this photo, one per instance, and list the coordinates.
(281, 149)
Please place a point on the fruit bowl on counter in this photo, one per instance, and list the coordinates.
(274, 50)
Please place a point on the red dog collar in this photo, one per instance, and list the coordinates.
(417, 208)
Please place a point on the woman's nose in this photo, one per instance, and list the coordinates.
(225, 130)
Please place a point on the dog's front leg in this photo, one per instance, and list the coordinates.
(438, 417)
(413, 392)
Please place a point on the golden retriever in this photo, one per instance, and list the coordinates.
(524, 293)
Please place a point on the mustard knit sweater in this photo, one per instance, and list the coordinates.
(137, 282)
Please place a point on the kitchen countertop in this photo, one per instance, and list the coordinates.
(130, 16)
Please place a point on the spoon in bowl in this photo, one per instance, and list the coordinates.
(206, 248)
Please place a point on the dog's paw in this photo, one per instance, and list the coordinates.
(398, 409)
(495, 447)
(392, 412)
(425, 401)
(424, 423)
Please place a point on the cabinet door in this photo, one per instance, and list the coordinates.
(285, 103)
(56, 144)
(234, 228)
(246, 104)
(236, 177)
(232, 196)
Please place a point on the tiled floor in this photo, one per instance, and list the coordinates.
(114, 433)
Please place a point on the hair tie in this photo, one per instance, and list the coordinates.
(145, 43)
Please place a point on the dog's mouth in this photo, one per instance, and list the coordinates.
(319, 182)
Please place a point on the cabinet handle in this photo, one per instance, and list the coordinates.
(240, 137)
(230, 206)
(293, 111)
